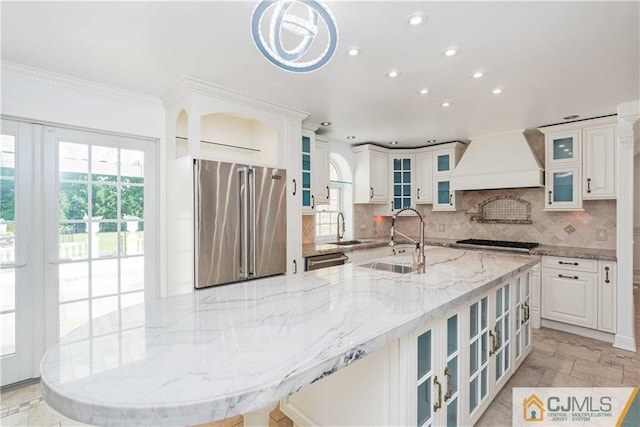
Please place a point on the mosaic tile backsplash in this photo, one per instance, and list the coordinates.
(578, 229)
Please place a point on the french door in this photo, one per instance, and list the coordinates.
(89, 201)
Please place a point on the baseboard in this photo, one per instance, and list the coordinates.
(578, 330)
(625, 343)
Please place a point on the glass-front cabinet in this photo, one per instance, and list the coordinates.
(478, 377)
(437, 373)
(308, 198)
(402, 168)
(444, 198)
(501, 336)
(522, 325)
(563, 188)
(563, 148)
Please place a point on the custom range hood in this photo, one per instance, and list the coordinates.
(503, 160)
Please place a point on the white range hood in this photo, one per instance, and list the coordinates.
(504, 160)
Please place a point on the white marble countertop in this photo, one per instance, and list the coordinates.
(232, 349)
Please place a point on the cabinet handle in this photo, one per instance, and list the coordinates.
(438, 405)
(370, 193)
(295, 187)
(567, 263)
(588, 185)
(606, 275)
(550, 202)
(527, 310)
(313, 202)
(451, 199)
(327, 192)
(449, 392)
(498, 340)
(295, 266)
(568, 277)
(391, 206)
(524, 313)
(418, 194)
(493, 343)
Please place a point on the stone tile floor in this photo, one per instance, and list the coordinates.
(558, 359)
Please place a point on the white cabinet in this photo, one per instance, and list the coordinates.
(522, 312)
(599, 160)
(579, 163)
(569, 291)
(424, 177)
(320, 173)
(401, 179)
(306, 183)
(535, 296)
(371, 174)
(444, 160)
(435, 369)
(607, 291)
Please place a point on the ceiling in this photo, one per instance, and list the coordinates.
(550, 59)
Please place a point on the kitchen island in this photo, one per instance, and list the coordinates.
(234, 349)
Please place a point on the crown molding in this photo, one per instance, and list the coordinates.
(53, 79)
(190, 85)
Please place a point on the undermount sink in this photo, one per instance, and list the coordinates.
(347, 242)
(394, 268)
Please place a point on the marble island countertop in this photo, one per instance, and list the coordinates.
(232, 349)
(561, 251)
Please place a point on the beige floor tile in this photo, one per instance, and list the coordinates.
(44, 415)
(497, 414)
(548, 345)
(18, 419)
(14, 397)
(558, 379)
(559, 362)
(579, 351)
(585, 369)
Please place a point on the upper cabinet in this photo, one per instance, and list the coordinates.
(580, 163)
(371, 174)
(445, 160)
(424, 176)
(402, 167)
(315, 172)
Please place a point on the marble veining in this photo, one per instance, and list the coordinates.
(229, 350)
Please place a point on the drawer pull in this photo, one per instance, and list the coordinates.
(606, 275)
(568, 277)
(567, 263)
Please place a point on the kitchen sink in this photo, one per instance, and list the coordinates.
(393, 268)
(347, 243)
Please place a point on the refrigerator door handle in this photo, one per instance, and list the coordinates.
(244, 222)
(253, 231)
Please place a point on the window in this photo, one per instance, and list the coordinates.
(327, 215)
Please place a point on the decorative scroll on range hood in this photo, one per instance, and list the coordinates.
(502, 160)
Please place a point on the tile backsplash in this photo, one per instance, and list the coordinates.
(578, 229)
(308, 229)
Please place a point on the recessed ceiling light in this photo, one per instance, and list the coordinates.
(353, 51)
(393, 143)
(478, 74)
(496, 91)
(571, 117)
(431, 141)
(325, 124)
(393, 73)
(450, 51)
(445, 104)
(424, 91)
(351, 137)
(416, 19)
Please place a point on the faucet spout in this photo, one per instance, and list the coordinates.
(341, 229)
(420, 244)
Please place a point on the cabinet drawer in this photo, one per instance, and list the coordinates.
(574, 264)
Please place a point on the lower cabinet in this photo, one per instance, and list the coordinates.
(579, 292)
(445, 373)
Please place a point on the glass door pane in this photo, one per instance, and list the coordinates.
(101, 192)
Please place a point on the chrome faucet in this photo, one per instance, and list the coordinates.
(420, 244)
(340, 230)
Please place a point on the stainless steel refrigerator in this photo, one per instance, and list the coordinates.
(240, 222)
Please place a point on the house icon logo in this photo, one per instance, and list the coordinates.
(533, 409)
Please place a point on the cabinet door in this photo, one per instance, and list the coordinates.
(402, 167)
(425, 360)
(562, 189)
(501, 337)
(443, 162)
(599, 174)
(379, 177)
(607, 296)
(308, 198)
(478, 378)
(522, 324)
(424, 178)
(320, 171)
(451, 374)
(563, 148)
(569, 296)
(443, 197)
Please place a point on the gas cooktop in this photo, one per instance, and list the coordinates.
(497, 244)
